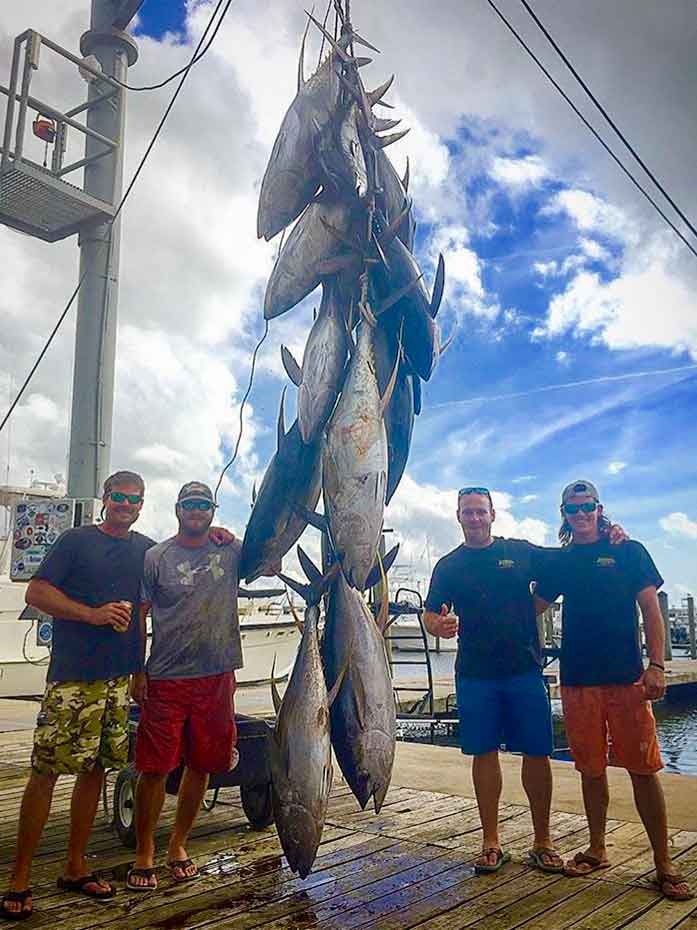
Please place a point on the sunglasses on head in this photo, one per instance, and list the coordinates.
(118, 497)
(197, 505)
(588, 507)
(473, 490)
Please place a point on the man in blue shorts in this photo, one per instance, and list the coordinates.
(482, 589)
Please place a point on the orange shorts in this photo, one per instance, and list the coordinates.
(611, 725)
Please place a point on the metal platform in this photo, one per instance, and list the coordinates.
(37, 203)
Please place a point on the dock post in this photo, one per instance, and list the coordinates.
(663, 604)
(691, 625)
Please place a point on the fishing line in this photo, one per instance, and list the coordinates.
(556, 387)
(242, 406)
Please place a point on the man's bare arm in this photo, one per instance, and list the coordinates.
(653, 678)
(52, 601)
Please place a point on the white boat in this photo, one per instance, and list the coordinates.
(405, 635)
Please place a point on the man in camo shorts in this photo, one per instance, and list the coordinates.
(90, 584)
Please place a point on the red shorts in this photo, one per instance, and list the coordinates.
(611, 725)
(187, 718)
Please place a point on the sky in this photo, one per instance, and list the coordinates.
(570, 302)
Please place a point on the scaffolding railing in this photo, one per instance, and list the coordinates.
(35, 198)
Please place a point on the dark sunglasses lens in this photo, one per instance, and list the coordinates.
(118, 497)
(197, 505)
(588, 507)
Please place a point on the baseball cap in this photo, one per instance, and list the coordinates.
(195, 490)
(579, 487)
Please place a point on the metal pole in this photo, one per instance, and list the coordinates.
(95, 337)
(691, 625)
(663, 604)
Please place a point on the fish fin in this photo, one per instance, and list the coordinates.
(375, 574)
(387, 396)
(396, 296)
(275, 696)
(384, 103)
(383, 614)
(292, 368)
(393, 229)
(438, 286)
(362, 62)
(380, 251)
(382, 142)
(336, 687)
(296, 619)
(342, 54)
(313, 574)
(359, 40)
(303, 590)
(254, 493)
(375, 96)
(345, 240)
(281, 427)
(446, 345)
(318, 520)
(405, 179)
(383, 125)
(416, 388)
(301, 59)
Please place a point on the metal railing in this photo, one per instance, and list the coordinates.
(25, 60)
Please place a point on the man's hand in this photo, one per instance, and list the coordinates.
(220, 536)
(138, 687)
(445, 625)
(617, 535)
(654, 682)
(115, 614)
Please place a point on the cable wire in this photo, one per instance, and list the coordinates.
(242, 406)
(610, 120)
(197, 57)
(591, 128)
(112, 220)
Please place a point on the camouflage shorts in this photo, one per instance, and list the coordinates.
(82, 723)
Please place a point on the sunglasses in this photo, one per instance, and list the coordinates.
(118, 497)
(588, 507)
(197, 505)
(464, 491)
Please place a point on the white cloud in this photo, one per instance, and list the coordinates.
(591, 214)
(614, 468)
(545, 269)
(519, 172)
(562, 358)
(679, 524)
(522, 479)
(528, 498)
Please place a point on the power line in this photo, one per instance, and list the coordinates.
(129, 188)
(591, 128)
(607, 116)
(197, 57)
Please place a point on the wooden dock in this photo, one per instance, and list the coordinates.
(409, 867)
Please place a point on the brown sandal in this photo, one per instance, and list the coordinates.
(574, 867)
(668, 883)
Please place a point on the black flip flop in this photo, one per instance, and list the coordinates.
(183, 864)
(79, 886)
(20, 896)
(141, 873)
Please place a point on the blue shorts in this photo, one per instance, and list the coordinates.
(513, 712)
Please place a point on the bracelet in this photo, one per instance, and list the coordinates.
(657, 665)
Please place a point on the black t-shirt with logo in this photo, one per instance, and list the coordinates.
(489, 591)
(600, 633)
(95, 568)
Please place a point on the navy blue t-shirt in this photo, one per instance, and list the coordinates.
(600, 632)
(489, 590)
(95, 568)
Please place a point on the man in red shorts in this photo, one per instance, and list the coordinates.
(606, 691)
(186, 694)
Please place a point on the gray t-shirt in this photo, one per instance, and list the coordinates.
(193, 592)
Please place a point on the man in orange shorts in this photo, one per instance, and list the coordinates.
(606, 691)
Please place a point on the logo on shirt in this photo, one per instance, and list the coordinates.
(213, 566)
(506, 563)
(605, 561)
